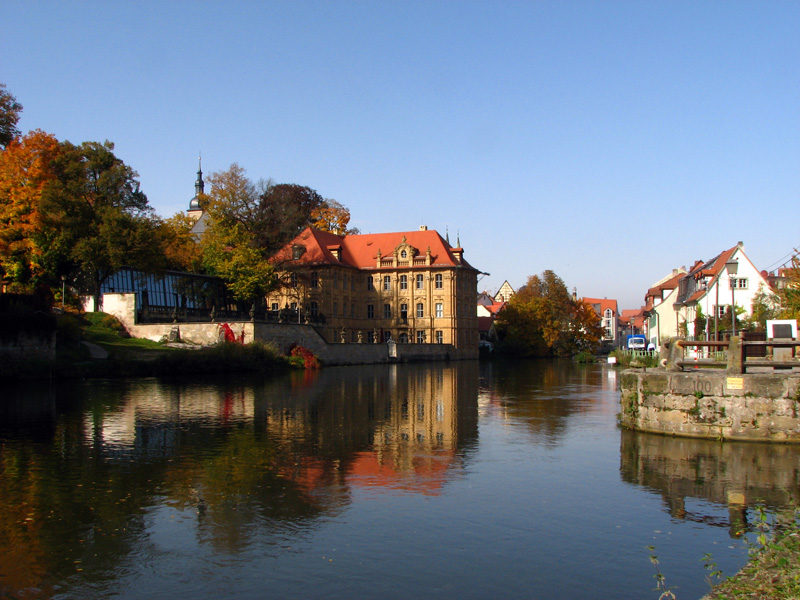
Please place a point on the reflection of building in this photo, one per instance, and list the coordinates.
(412, 287)
(734, 474)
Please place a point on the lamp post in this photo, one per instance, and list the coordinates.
(733, 268)
(63, 289)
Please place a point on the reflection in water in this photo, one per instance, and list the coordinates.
(137, 489)
(736, 474)
(542, 394)
(241, 461)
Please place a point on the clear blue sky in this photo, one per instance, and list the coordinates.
(607, 141)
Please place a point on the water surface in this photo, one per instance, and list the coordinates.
(444, 480)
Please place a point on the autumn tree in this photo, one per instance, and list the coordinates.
(73, 211)
(182, 251)
(10, 110)
(29, 255)
(542, 319)
(333, 217)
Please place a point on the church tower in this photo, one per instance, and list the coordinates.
(196, 211)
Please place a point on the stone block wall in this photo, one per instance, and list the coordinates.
(30, 345)
(282, 335)
(712, 404)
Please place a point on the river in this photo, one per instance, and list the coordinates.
(460, 480)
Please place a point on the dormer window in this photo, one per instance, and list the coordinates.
(403, 254)
(297, 251)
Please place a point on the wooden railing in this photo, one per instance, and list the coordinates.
(734, 355)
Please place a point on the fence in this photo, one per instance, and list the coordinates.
(736, 354)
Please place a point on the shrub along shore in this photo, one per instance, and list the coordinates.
(130, 357)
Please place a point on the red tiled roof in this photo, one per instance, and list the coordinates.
(712, 268)
(485, 324)
(361, 251)
(669, 284)
(604, 304)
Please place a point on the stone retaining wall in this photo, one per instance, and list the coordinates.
(282, 335)
(712, 404)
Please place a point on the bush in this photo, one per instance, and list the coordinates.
(309, 360)
(584, 357)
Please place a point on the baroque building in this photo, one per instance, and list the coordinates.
(410, 287)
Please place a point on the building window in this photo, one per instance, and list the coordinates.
(387, 311)
(403, 282)
(314, 279)
(721, 310)
(403, 254)
(420, 280)
(335, 308)
(370, 285)
(420, 337)
(314, 309)
(740, 283)
(353, 309)
(439, 310)
(420, 310)
(293, 280)
(403, 338)
(439, 337)
(274, 306)
(387, 335)
(404, 313)
(370, 337)
(293, 306)
(387, 283)
(336, 280)
(370, 311)
(439, 282)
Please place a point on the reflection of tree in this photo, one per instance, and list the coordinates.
(543, 395)
(734, 474)
(248, 459)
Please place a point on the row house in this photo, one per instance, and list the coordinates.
(410, 287)
(711, 288)
(660, 322)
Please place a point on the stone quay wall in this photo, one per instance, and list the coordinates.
(712, 404)
(30, 345)
(282, 335)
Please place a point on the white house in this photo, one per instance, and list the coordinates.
(729, 278)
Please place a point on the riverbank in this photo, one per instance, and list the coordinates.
(773, 571)
(94, 345)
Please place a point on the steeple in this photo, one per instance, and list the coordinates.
(194, 204)
(198, 185)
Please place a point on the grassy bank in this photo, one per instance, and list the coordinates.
(773, 571)
(132, 357)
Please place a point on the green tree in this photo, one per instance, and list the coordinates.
(10, 110)
(790, 293)
(248, 223)
(766, 305)
(103, 218)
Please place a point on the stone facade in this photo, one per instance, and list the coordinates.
(712, 404)
(411, 287)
